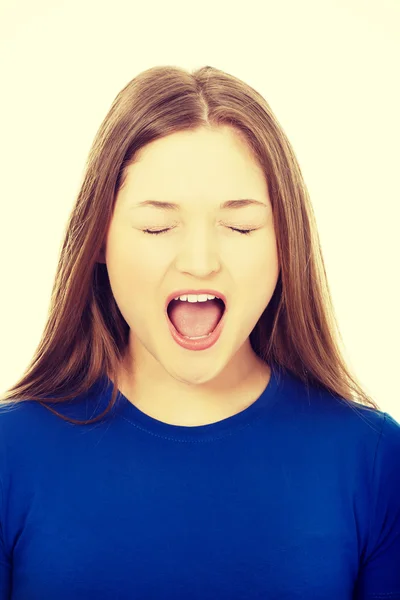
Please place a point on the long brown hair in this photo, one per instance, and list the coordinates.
(85, 336)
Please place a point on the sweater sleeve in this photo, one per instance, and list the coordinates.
(5, 570)
(379, 575)
(5, 565)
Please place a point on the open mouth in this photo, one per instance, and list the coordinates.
(195, 319)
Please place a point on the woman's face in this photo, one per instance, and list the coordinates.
(196, 170)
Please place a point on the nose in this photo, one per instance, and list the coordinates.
(198, 252)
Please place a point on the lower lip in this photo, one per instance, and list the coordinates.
(200, 344)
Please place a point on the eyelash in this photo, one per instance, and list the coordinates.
(241, 231)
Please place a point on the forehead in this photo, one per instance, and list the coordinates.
(203, 141)
(199, 164)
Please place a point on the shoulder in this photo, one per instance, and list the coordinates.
(387, 452)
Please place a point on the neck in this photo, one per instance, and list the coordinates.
(161, 396)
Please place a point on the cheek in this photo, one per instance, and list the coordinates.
(132, 262)
(257, 274)
(258, 259)
(135, 272)
(132, 286)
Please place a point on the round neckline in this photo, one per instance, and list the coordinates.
(131, 413)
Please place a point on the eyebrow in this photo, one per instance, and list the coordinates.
(228, 204)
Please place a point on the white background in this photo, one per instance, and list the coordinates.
(329, 70)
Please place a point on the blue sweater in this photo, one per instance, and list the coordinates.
(297, 496)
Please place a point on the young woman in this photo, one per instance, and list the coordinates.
(188, 427)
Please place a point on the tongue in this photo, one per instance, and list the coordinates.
(194, 319)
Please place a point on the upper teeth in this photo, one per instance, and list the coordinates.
(195, 297)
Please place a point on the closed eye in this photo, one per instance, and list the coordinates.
(242, 231)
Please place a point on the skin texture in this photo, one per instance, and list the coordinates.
(198, 170)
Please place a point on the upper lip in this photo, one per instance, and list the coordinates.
(185, 292)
